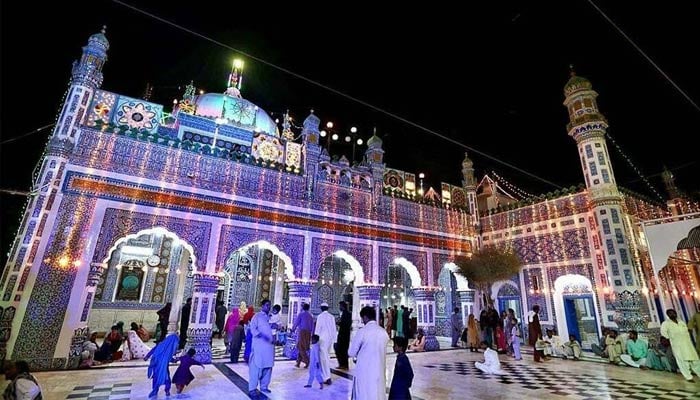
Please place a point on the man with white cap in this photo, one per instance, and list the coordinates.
(325, 329)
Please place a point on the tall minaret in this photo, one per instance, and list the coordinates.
(375, 160)
(469, 184)
(588, 127)
(41, 213)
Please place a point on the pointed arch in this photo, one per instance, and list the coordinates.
(410, 269)
(156, 230)
(462, 282)
(264, 244)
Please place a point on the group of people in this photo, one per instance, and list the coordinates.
(315, 339)
(398, 321)
(673, 352)
(116, 346)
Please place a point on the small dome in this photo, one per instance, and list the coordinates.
(100, 39)
(374, 141)
(236, 110)
(575, 84)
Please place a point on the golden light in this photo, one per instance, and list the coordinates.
(201, 91)
(63, 261)
(238, 63)
(329, 125)
(645, 290)
(76, 263)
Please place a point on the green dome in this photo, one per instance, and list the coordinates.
(576, 83)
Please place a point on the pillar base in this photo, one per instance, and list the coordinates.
(199, 339)
(290, 347)
(431, 342)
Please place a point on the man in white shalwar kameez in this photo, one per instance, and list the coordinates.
(368, 347)
(325, 329)
(676, 331)
(491, 364)
(262, 356)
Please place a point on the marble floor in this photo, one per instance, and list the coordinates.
(448, 374)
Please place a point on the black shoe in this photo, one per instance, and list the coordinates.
(328, 382)
(267, 390)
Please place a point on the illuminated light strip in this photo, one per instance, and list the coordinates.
(154, 198)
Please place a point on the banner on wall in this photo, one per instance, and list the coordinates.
(663, 239)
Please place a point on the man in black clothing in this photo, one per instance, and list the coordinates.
(185, 322)
(344, 328)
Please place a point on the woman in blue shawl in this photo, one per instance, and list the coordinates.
(160, 357)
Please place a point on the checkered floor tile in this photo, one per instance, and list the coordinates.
(564, 383)
(219, 353)
(115, 391)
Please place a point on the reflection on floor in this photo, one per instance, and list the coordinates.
(438, 375)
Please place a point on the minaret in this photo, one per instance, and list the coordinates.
(588, 127)
(312, 151)
(469, 184)
(26, 257)
(375, 160)
(674, 195)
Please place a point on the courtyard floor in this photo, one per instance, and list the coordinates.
(448, 374)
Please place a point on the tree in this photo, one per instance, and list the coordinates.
(488, 265)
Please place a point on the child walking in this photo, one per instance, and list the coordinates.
(515, 339)
(403, 373)
(183, 376)
(315, 363)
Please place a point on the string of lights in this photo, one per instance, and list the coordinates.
(37, 130)
(634, 167)
(517, 190)
(339, 93)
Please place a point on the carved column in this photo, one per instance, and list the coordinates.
(299, 293)
(369, 296)
(466, 300)
(425, 309)
(199, 330)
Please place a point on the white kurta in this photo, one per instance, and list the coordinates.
(491, 364)
(678, 334)
(325, 329)
(369, 347)
(263, 352)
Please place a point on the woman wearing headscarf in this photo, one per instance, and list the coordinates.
(160, 357)
(134, 348)
(472, 334)
(248, 336)
(231, 324)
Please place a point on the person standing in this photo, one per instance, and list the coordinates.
(344, 329)
(163, 318)
(325, 329)
(677, 332)
(185, 322)
(369, 348)
(236, 341)
(515, 339)
(315, 369)
(399, 322)
(472, 334)
(456, 327)
(23, 385)
(262, 355)
(305, 323)
(403, 373)
(220, 318)
(183, 376)
(389, 320)
(231, 324)
(535, 331)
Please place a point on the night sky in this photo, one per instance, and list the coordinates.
(489, 76)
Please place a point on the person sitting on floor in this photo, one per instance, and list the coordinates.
(572, 348)
(491, 364)
(636, 351)
(599, 348)
(552, 344)
(418, 343)
(613, 346)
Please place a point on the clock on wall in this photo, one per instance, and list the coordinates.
(153, 260)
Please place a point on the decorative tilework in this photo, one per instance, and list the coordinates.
(561, 207)
(322, 248)
(20, 258)
(10, 287)
(119, 223)
(552, 247)
(86, 307)
(388, 254)
(48, 303)
(233, 238)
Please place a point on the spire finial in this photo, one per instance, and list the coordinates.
(572, 71)
(312, 111)
(375, 131)
(104, 29)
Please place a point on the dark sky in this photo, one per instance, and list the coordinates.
(490, 76)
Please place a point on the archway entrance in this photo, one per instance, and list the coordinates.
(336, 280)
(255, 272)
(574, 299)
(140, 277)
